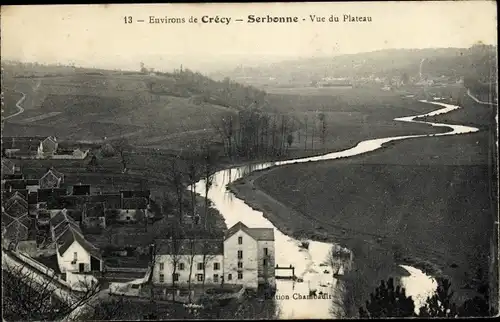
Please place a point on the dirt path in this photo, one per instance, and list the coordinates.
(19, 107)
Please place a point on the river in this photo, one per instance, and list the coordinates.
(310, 264)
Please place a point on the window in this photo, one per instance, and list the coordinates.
(128, 218)
(161, 266)
(265, 251)
(175, 277)
(240, 240)
(75, 256)
(229, 277)
(216, 278)
(162, 278)
(240, 275)
(240, 254)
(200, 266)
(240, 264)
(216, 266)
(181, 266)
(265, 262)
(199, 277)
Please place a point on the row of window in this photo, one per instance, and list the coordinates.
(200, 266)
(199, 277)
(216, 265)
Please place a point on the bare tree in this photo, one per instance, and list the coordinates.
(176, 180)
(122, 147)
(208, 176)
(322, 119)
(306, 120)
(29, 295)
(208, 256)
(192, 253)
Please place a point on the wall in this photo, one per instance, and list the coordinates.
(250, 260)
(267, 272)
(65, 260)
(168, 269)
(80, 282)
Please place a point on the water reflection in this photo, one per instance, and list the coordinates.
(309, 264)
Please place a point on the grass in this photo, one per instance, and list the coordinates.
(10, 99)
(79, 106)
(421, 201)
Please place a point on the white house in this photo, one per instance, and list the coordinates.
(249, 256)
(206, 256)
(74, 252)
(245, 257)
(47, 147)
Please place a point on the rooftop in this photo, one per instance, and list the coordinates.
(184, 246)
(256, 233)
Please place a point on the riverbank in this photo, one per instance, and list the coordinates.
(417, 197)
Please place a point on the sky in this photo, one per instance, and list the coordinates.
(97, 35)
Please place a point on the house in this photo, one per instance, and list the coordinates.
(249, 256)
(16, 229)
(71, 154)
(80, 190)
(93, 215)
(29, 147)
(21, 147)
(16, 206)
(207, 263)
(9, 168)
(44, 195)
(132, 210)
(245, 257)
(74, 252)
(47, 147)
(136, 194)
(31, 185)
(51, 179)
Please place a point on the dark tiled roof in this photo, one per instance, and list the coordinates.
(9, 194)
(16, 198)
(111, 201)
(83, 189)
(185, 246)
(17, 208)
(56, 173)
(45, 194)
(72, 235)
(256, 233)
(15, 184)
(60, 217)
(134, 203)
(16, 176)
(8, 163)
(135, 193)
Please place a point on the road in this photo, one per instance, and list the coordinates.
(19, 107)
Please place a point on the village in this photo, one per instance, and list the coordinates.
(71, 230)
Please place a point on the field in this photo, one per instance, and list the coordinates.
(421, 201)
(87, 107)
(10, 98)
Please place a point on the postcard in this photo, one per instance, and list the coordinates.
(249, 160)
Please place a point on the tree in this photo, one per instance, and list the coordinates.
(122, 147)
(439, 304)
(208, 177)
(29, 295)
(322, 119)
(289, 140)
(192, 253)
(388, 301)
(306, 120)
(176, 181)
